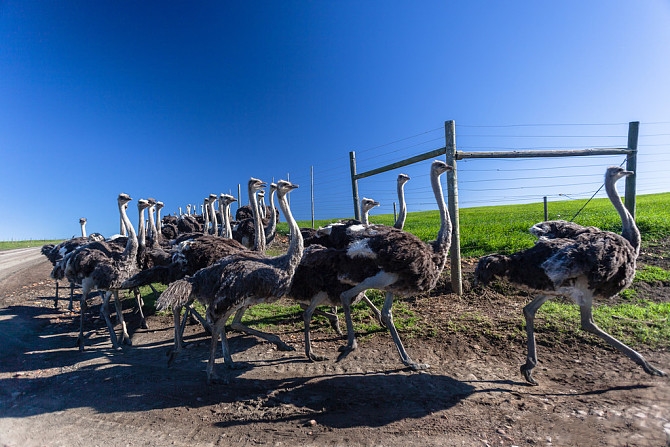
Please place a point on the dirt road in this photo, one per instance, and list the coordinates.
(13, 261)
(53, 395)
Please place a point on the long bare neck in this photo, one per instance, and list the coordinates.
(159, 224)
(215, 223)
(272, 225)
(402, 215)
(443, 241)
(296, 247)
(83, 229)
(226, 231)
(122, 229)
(205, 212)
(152, 224)
(366, 219)
(259, 232)
(141, 237)
(629, 230)
(130, 251)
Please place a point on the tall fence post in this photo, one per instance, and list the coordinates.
(311, 176)
(452, 196)
(631, 165)
(354, 185)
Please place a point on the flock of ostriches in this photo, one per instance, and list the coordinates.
(222, 263)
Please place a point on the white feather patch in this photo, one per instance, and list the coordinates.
(356, 229)
(360, 248)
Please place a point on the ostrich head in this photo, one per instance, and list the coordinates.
(159, 205)
(82, 221)
(368, 204)
(273, 187)
(403, 178)
(284, 187)
(226, 199)
(439, 167)
(143, 204)
(256, 185)
(614, 173)
(213, 198)
(123, 199)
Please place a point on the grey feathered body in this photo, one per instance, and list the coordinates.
(417, 264)
(606, 260)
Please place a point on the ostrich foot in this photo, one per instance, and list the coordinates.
(284, 346)
(143, 324)
(653, 371)
(317, 358)
(527, 372)
(417, 366)
(80, 343)
(348, 348)
(335, 324)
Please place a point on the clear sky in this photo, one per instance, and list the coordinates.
(177, 100)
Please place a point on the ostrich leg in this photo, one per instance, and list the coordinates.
(388, 321)
(590, 326)
(531, 358)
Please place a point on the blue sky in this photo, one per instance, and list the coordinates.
(177, 100)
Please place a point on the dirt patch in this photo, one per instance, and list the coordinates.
(473, 394)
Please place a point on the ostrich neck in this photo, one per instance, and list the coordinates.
(272, 225)
(226, 231)
(83, 229)
(366, 219)
(152, 224)
(443, 241)
(259, 232)
(130, 251)
(205, 212)
(142, 239)
(159, 225)
(296, 247)
(629, 230)
(402, 215)
(215, 223)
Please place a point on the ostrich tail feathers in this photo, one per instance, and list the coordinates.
(177, 294)
(489, 267)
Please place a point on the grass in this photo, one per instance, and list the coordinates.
(502, 229)
(11, 245)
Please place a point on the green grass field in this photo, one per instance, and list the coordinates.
(504, 229)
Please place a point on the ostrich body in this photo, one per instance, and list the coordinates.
(103, 266)
(402, 214)
(580, 262)
(239, 281)
(402, 263)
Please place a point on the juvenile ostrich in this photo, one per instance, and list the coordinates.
(582, 263)
(102, 266)
(57, 253)
(402, 214)
(396, 262)
(225, 200)
(366, 205)
(250, 232)
(239, 281)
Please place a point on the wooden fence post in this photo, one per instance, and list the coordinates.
(354, 185)
(452, 195)
(631, 165)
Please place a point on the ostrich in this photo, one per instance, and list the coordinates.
(581, 263)
(57, 253)
(239, 281)
(250, 232)
(402, 215)
(397, 262)
(103, 266)
(366, 205)
(225, 200)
